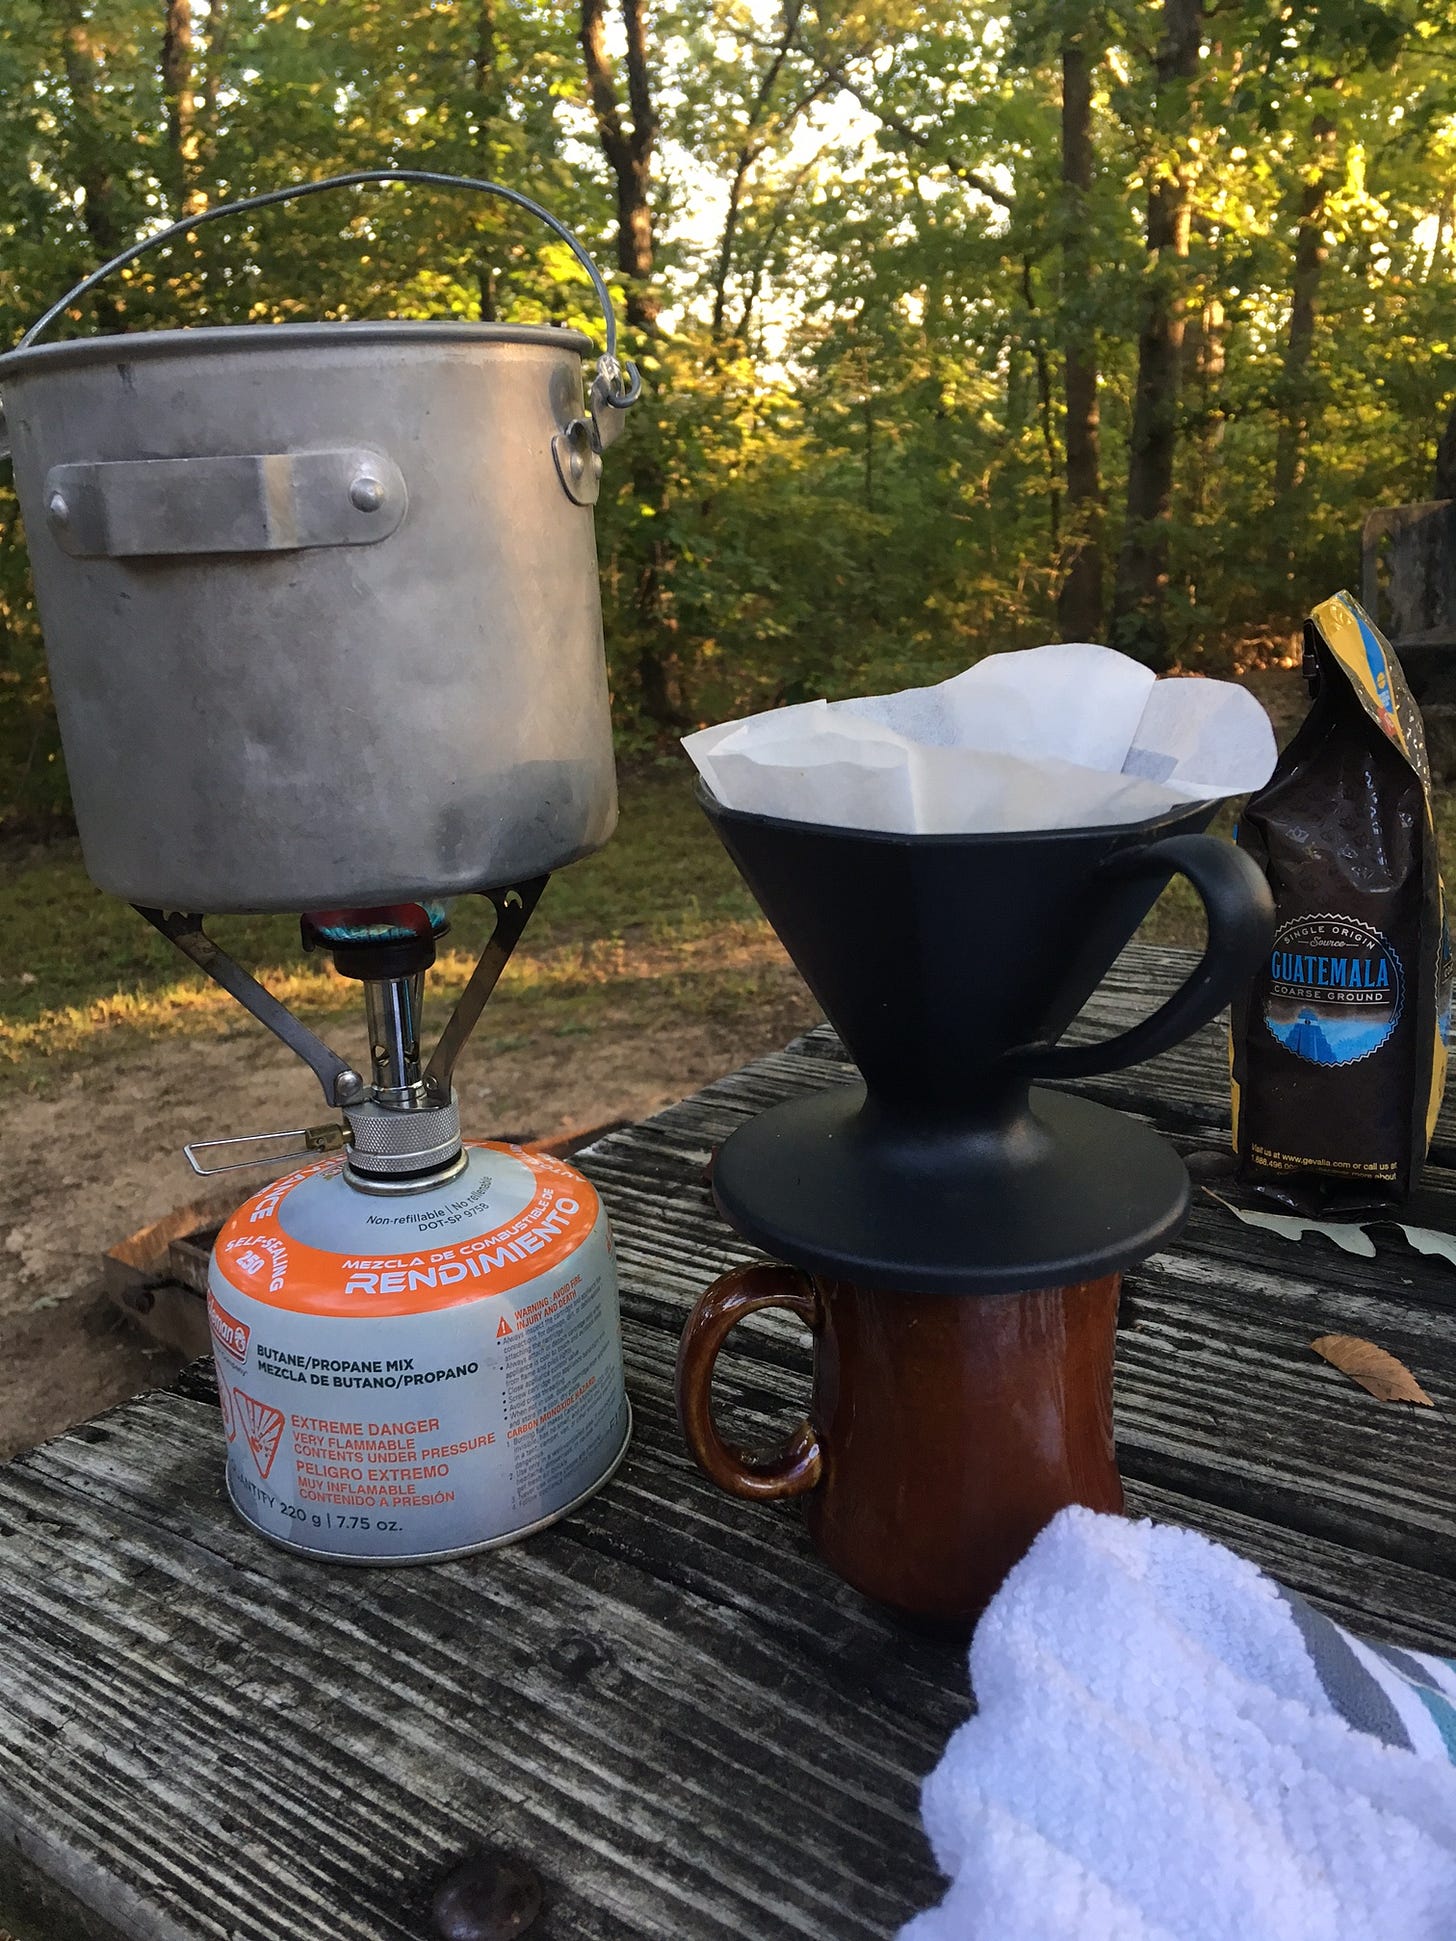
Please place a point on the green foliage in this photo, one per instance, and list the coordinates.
(850, 465)
(663, 876)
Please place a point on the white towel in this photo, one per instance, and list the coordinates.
(1170, 1747)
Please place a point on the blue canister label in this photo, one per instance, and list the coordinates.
(1336, 989)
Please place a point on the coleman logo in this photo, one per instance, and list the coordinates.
(230, 1335)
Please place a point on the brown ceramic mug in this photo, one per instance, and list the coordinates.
(944, 1430)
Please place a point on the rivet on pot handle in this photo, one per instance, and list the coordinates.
(608, 405)
(614, 387)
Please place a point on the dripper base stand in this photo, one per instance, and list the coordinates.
(1075, 1192)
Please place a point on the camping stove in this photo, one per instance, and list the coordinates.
(416, 1338)
(323, 626)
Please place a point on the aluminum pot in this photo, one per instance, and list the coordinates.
(320, 601)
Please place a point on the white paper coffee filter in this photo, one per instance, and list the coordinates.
(864, 781)
(1066, 736)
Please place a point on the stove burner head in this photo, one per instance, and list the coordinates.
(402, 1127)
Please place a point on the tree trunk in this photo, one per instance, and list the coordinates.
(1310, 254)
(725, 245)
(1445, 481)
(772, 230)
(1042, 366)
(1139, 607)
(1079, 597)
(629, 154)
(181, 164)
(88, 146)
(635, 241)
(748, 153)
(213, 64)
(1204, 361)
(628, 151)
(487, 113)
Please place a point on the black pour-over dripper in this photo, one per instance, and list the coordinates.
(950, 966)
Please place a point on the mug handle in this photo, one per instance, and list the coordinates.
(796, 1467)
(1240, 911)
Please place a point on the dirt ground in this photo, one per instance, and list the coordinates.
(100, 1155)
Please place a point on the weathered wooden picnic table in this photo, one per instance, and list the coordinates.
(664, 1704)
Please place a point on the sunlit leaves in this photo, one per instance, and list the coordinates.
(855, 471)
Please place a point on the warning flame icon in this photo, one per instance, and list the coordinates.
(262, 1427)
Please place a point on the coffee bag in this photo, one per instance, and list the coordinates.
(1339, 1046)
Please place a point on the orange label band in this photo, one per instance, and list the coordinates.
(258, 1256)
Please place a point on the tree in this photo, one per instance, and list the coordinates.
(918, 289)
(628, 146)
(487, 106)
(182, 131)
(1445, 478)
(1079, 598)
(1311, 252)
(1139, 610)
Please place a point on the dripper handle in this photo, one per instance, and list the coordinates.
(1240, 911)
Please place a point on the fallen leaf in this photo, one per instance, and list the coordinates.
(1387, 1379)
(1426, 1240)
(1349, 1234)
(1289, 1226)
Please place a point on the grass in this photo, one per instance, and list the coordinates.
(657, 925)
(660, 905)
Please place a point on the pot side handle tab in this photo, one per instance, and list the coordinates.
(266, 502)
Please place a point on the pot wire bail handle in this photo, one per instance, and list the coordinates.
(614, 387)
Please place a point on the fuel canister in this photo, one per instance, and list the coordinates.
(408, 1378)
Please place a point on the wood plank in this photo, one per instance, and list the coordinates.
(658, 1705)
(1219, 1394)
(665, 1704)
(1390, 1602)
(665, 1635)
